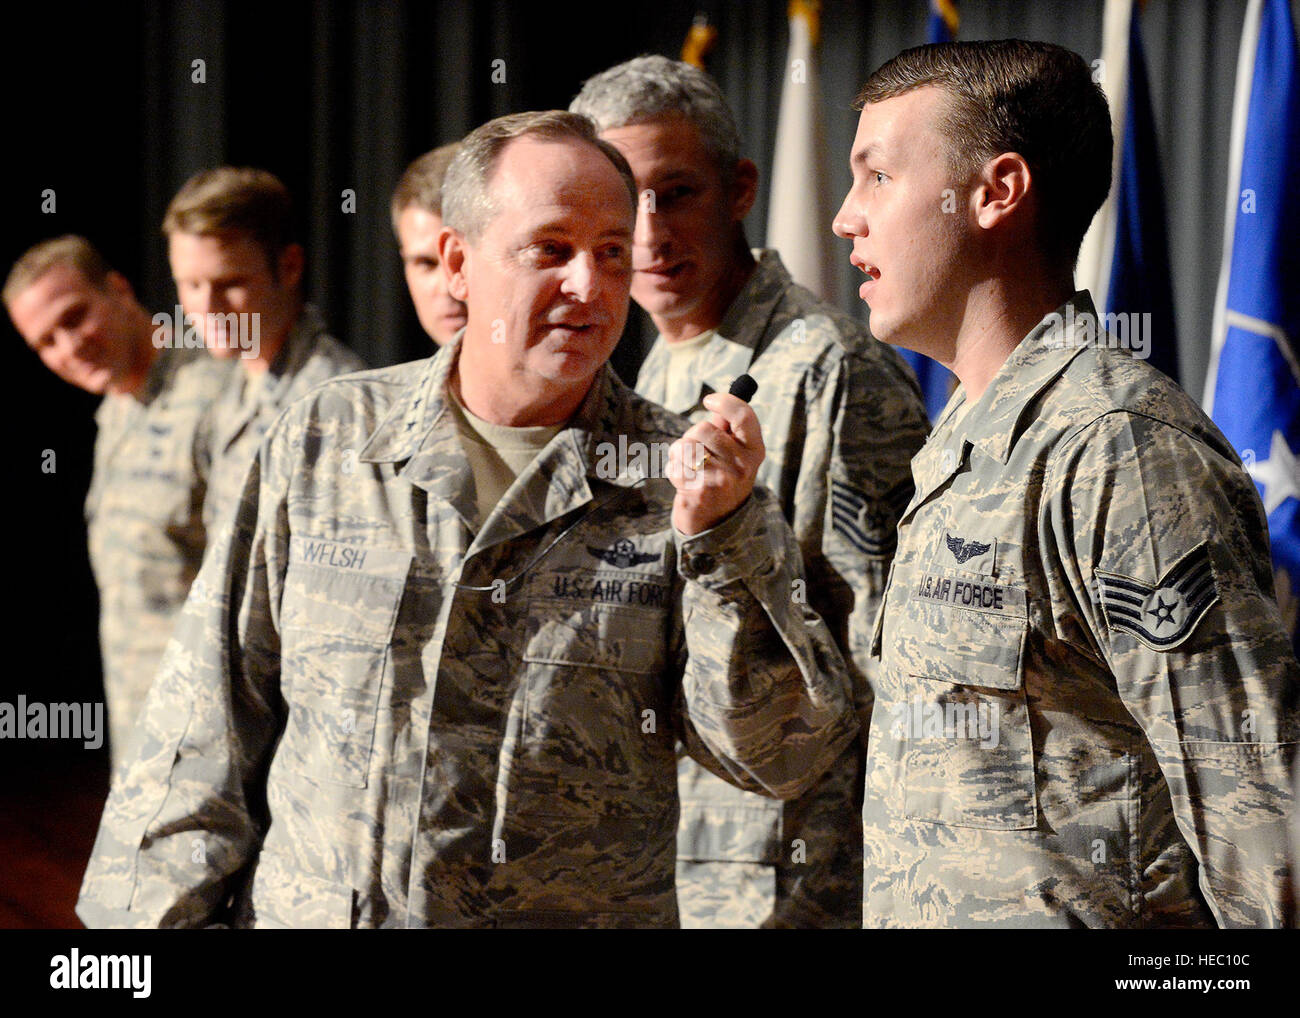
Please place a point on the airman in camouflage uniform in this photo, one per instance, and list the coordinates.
(144, 507)
(1086, 694)
(841, 420)
(238, 275)
(1086, 701)
(381, 709)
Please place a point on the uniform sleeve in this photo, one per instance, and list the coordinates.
(186, 815)
(765, 697)
(1163, 541)
(876, 423)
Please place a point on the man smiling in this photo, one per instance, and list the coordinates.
(422, 685)
(144, 508)
(1084, 556)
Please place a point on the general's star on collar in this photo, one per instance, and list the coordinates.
(1277, 474)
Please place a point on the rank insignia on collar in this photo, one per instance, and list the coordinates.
(1164, 615)
(963, 550)
(622, 554)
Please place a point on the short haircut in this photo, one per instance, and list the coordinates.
(654, 88)
(69, 249)
(421, 185)
(467, 204)
(231, 199)
(1033, 98)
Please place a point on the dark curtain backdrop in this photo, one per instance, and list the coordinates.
(100, 106)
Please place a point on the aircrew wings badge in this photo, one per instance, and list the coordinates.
(622, 554)
(1164, 615)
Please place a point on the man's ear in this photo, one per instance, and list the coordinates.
(118, 285)
(1002, 189)
(289, 267)
(452, 253)
(744, 188)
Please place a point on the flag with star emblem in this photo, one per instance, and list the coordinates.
(1253, 388)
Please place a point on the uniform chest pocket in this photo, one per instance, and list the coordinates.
(337, 616)
(968, 747)
(595, 735)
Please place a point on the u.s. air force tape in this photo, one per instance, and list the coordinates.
(1161, 616)
(984, 595)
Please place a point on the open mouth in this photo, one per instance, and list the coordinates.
(865, 267)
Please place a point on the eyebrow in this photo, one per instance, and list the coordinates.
(557, 226)
(872, 150)
(674, 174)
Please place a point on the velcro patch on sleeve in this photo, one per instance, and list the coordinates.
(868, 524)
(1162, 615)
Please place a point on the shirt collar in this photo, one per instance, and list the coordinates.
(735, 342)
(994, 422)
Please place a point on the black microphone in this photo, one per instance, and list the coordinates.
(743, 387)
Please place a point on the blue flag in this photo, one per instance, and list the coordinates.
(1139, 287)
(1253, 388)
(936, 381)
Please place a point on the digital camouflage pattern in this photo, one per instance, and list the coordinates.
(241, 417)
(1086, 702)
(340, 736)
(144, 521)
(841, 417)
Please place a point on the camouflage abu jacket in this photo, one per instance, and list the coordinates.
(144, 521)
(342, 737)
(842, 418)
(1086, 701)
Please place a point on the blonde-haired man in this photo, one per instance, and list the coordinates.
(238, 275)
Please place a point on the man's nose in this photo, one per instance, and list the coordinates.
(651, 229)
(848, 222)
(72, 343)
(197, 301)
(580, 276)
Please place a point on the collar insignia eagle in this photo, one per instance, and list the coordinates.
(622, 554)
(1164, 615)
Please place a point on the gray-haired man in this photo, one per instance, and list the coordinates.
(841, 419)
(437, 675)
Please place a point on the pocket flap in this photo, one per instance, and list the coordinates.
(967, 631)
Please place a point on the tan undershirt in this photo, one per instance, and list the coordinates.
(497, 454)
(683, 391)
